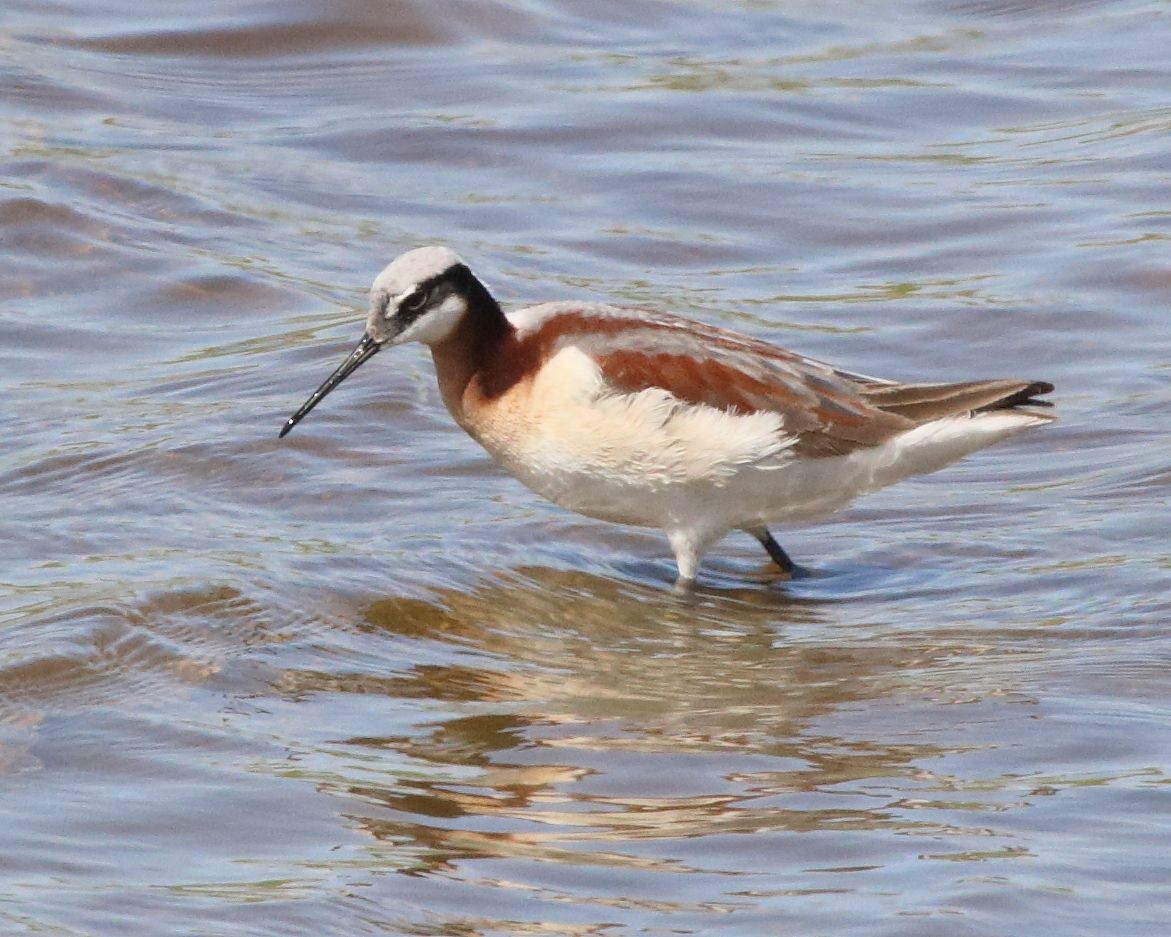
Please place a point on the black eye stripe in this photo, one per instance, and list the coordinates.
(415, 300)
(434, 290)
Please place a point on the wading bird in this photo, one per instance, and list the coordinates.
(651, 419)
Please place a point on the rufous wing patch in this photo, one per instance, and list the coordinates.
(826, 414)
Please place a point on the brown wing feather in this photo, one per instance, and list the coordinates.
(827, 417)
(923, 402)
(701, 364)
(831, 412)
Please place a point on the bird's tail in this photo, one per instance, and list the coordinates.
(923, 403)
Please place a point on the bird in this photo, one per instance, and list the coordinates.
(646, 418)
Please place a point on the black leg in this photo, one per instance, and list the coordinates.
(775, 550)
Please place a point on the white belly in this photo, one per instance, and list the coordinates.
(650, 460)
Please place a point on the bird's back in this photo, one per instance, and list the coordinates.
(632, 415)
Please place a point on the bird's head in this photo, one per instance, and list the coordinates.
(421, 296)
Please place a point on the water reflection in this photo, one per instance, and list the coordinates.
(559, 686)
(209, 724)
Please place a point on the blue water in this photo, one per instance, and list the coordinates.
(358, 681)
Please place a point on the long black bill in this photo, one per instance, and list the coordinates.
(367, 348)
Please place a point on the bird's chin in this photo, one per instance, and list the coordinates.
(384, 336)
(387, 333)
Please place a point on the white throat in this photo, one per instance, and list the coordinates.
(436, 324)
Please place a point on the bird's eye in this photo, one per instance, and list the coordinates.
(415, 302)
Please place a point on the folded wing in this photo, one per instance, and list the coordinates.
(831, 412)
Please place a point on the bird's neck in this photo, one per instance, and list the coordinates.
(474, 345)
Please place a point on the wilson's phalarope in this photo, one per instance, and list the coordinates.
(650, 419)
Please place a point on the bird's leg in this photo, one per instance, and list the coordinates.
(689, 546)
(688, 550)
(775, 550)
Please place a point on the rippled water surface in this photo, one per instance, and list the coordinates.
(358, 681)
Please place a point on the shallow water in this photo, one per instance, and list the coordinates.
(359, 682)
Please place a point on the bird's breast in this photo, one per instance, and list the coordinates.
(619, 456)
